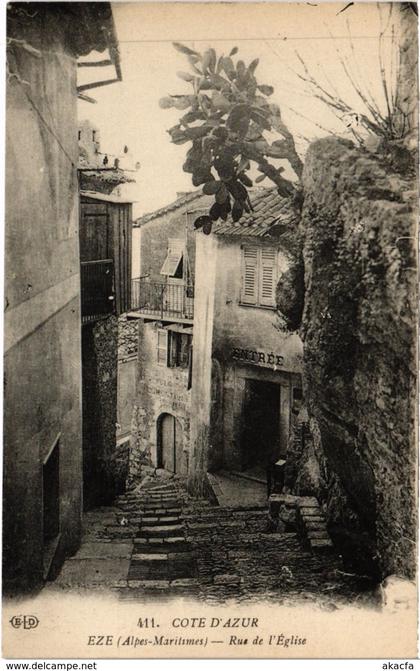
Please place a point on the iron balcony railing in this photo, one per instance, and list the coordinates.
(97, 289)
(162, 299)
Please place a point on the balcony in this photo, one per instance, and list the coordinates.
(97, 289)
(162, 300)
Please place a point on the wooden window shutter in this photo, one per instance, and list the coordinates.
(162, 347)
(267, 276)
(250, 275)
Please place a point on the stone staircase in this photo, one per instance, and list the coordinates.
(162, 560)
(158, 543)
(304, 514)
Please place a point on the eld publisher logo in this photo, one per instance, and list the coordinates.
(25, 621)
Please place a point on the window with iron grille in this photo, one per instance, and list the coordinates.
(259, 276)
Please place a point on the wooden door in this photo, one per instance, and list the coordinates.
(93, 231)
(171, 444)
(168, 443)
(178, 448)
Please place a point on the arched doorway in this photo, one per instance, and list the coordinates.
(170, 443)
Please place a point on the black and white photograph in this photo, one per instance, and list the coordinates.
(210, 365)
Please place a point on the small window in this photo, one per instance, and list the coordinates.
(174, 349)
(79, 135)
(259, 276)
(180, 350)
(94, 135)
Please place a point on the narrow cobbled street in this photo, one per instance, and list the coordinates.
(158, 542)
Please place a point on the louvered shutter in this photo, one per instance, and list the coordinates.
(174, 257)
(162, 347)
(250, 275)
(267, 276)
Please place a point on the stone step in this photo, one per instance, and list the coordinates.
(310, 512)
(312, 527)
(162, 531)
(159, 520)
(161, 570)
(137, 588)
(160, 505)
(149, 546)
(158, 511)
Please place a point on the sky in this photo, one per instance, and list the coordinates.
(128, 112)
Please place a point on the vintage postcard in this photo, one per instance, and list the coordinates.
(210, 330)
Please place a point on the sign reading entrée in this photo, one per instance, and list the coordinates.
(257, 358)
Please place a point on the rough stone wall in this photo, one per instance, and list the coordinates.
(405, 115)
(359, 341)
(99, 356)
(159, 390)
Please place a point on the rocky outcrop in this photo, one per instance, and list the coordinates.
(358, 329)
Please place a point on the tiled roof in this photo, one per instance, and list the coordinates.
(270, 213)
(184, 199)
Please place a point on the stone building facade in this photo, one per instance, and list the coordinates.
(42, 422)
(217, 378)
(105, 254)
(247, 368)
(163, 305)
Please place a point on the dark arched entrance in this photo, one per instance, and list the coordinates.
(169, 443)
